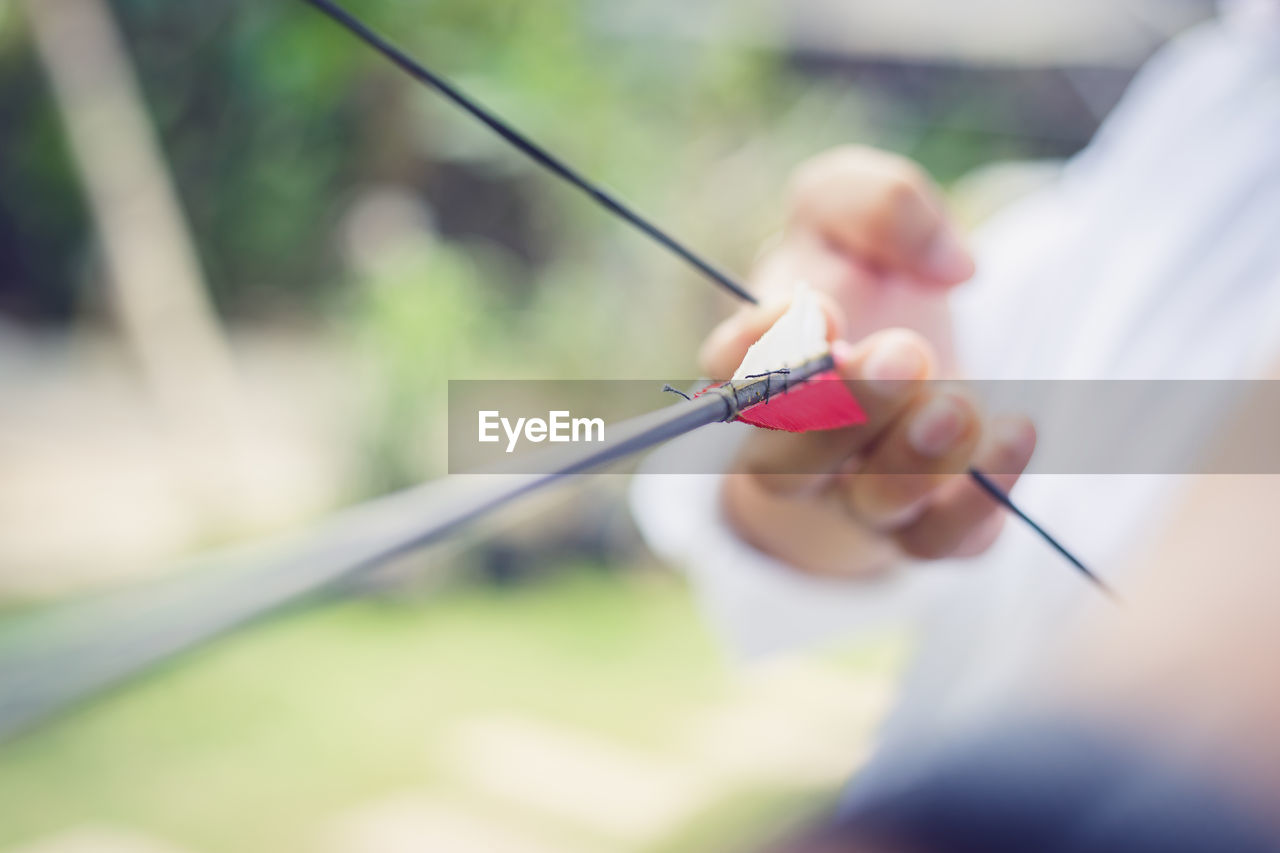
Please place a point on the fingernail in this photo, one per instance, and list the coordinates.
(937, 427)
(894, 362)
(947, 258)
(1014, 435)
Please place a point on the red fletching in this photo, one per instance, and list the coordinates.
(823, 402)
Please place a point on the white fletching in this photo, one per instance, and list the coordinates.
(798, 336)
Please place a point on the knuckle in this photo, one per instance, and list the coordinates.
(811, 180)
(959, 452)
(897, 208)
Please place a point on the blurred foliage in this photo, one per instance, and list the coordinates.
(415, 339)
(272, 117)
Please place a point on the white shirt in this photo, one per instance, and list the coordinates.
(1155, 256)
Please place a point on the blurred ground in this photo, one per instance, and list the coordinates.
(589, 713)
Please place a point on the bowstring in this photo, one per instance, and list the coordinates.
(527, 146)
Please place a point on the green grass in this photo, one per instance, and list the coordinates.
(245, 745)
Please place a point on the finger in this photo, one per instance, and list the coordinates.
(884, 373)
(964, 521)
(728, 342)
(882, 208)
(928, 446)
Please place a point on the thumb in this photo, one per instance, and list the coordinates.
(882, 209)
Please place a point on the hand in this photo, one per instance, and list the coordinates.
(867, 231)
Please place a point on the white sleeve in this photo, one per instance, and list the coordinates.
(760, 604)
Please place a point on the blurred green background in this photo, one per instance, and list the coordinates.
(240, 258)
